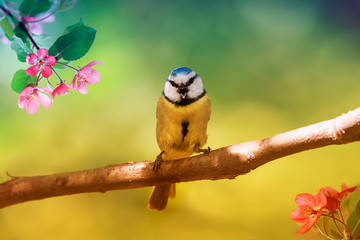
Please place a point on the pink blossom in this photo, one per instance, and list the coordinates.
(4, 39)
(31, 97)
(40, 62)
(86, 75)
(35, 26)
(60, 90)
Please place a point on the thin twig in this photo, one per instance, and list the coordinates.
(325, 235)
(76, 70)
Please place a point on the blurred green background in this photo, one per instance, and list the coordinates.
(268, 66)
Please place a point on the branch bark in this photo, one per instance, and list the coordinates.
(227, 162)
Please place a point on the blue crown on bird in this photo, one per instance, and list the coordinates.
(181, 70)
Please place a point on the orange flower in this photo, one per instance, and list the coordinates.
(309, 211)
(334, 197)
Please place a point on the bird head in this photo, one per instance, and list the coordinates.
(183, 86)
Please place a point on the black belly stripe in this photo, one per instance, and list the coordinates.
(184, 130)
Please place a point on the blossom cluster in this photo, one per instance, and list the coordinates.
(326, 203)
(32, 96)
(21, 26)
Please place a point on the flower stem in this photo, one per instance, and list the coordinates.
(325, 235)
(337, 227)
(38, 80)
(23, 27)
(68, 66)
(349, 235)
(61, 81)
(357, 224)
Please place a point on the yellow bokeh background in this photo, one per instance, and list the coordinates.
(268, 66)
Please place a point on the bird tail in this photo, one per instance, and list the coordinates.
(159, 196)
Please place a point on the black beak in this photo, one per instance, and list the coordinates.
(183, 91)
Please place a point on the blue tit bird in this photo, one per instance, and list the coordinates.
(183, 112)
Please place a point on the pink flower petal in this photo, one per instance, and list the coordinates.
(320, 200)
(94, 63)
(33, 70)
(46, 71)
(32, 105)
(330, 192)
(62, 89)
(42, 52)
(50, 60)
(45, 90)
(45, 100)
(31, 59)
(26, 91)
(298, 215)
(82, 87)
(53, 95)
(94, 77)
(35, 28)
(72, 85)
(308, 225)
(332, 204)
(22, 102)
(345, 191)
(4, 39)
(49, 19)
(85, 72)
(28, 18)
(305, 199)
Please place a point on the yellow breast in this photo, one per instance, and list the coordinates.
(182, 129)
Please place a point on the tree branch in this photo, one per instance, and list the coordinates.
(226, 162)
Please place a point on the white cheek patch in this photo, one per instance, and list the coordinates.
(195, 89)
(171, 92)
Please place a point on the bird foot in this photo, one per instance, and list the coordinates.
(158, 161)
(205, 151)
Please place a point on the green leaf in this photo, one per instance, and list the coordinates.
(52, 51)
(72, 27)
(42, 40)
(357, 210)
(335, 233)
(75, 44)
(6, 29)
(353, 223)
(19, 47)
(21, 80)
(20, 33)
(66, 4)
(353, 201)
(2, 32)
(34, 7)
(324, 224)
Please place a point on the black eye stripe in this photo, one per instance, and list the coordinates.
(188, 83)
(173, 83)
(191, 80)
